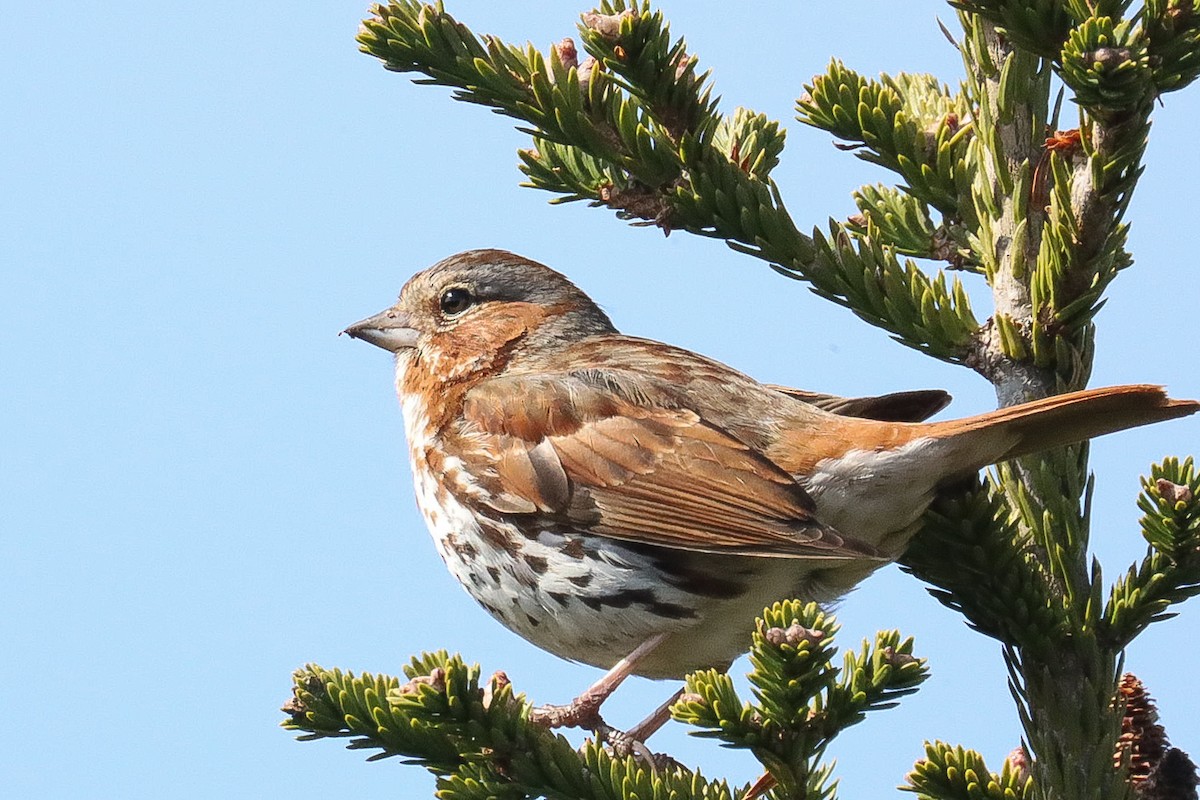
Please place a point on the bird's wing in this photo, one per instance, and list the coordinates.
(570, 448)
(914, 406)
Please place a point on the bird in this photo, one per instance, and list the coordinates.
(632, 505)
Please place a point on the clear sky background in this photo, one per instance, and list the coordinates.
(202, 487)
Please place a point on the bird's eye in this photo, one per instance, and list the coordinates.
(455, 301)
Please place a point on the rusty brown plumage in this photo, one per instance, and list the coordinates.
(604, 495)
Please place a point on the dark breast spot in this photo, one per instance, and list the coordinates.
(642, 597)
(713, 586)
(465, 550)
(683, 571)
(499, 537)
(670, 610)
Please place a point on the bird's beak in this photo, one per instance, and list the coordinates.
(391, 329)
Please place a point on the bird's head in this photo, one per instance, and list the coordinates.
(476, 310)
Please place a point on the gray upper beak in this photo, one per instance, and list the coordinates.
(391, 329)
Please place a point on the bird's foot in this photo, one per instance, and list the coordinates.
(584, 711)
(585, 714)
(625, 743)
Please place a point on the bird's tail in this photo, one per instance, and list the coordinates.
(1055, 421)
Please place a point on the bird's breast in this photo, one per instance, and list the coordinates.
(582, 596)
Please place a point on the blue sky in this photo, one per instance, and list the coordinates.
(203, 487)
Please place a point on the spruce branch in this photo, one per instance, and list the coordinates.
(575, 174)
(1009, 89)
(925, 313)
(1069, 199)
(751, 141)
(981, 564)
(477, 739)
(951, 772)
(902, 221)
(1039, 27)
(1106, 63)
(1173, 30)
(635, 44)
(636, 130)
(1065, 706)
(803, 700)
(909, 124)
(1170, 572)
(1064, 686)
(1049, 496)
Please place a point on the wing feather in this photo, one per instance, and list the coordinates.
(567, 448)
(912, 406)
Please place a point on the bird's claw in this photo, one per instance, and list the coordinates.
(624, 744)
(584, 714)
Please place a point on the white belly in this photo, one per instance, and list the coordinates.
(877, 497)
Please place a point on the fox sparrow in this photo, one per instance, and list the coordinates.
(619, 501)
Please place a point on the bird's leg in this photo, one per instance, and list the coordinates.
(584, 710)
(658, 717)
(633, 741)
